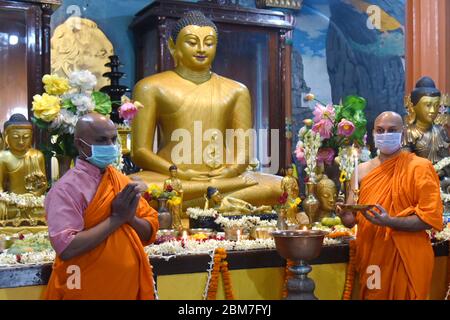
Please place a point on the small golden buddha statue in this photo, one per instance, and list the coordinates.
(422, 135)
(173, 183)
(290, 186)
(231, 206)
(326, 191)
(193, 104)
(22, 172)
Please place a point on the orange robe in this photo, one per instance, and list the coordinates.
(118, 268)
(404, 185)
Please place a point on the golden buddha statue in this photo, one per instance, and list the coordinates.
(326, 191)
(193, 104)
(231, 206)
(422, 135)
(289, 185)
(22, 174)
(175, 208)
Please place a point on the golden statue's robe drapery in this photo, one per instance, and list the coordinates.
(404, 185)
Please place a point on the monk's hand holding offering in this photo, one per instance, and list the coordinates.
(347, 217)
(125, 204)
(378, 216)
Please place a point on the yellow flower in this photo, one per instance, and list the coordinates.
(55, 85)
(343, 176)
(175, 201)
(295, 203)
(46, 107)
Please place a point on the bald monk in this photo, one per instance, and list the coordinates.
(404, 190)
(98, 223)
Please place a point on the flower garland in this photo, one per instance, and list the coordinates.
(22, 201)
(350, 274)
(442, 164)
(288, 274)
(220, 267)
(196, 213)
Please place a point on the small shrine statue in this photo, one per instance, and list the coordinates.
(175, 207)
(327, 195)
(22, 171)
(423, 136)
(230, 205)
(193, 98)
(290, 186)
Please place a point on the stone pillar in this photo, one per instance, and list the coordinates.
(428, 42)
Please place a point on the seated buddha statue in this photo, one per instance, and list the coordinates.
(422, 135)
(22, 172)
(326, 192)
(193, 104)
(229, 205)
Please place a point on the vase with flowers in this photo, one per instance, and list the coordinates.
(58, 109)
(334, 130)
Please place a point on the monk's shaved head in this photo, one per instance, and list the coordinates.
(392, 117)
(94, 128)
(388, 122)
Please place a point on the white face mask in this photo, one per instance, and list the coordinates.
(388, 143)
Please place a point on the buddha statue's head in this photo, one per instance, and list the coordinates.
(18, 133)
(327, 194)
(214, 195)
(425, 100)
(173, 171)
(193, 42)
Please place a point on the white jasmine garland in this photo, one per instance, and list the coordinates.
(22, 201)
(196, 213)
(442, 164)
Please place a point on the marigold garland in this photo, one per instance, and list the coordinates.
(220, 267)
(350, 274)
(288, 274)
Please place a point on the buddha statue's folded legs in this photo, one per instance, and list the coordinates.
(253, 187)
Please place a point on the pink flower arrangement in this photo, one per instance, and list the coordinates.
(324, 127)
(300, 154)
(129, 108)
(325, 155)
(324, 113)
(346, 128)
(128, 111)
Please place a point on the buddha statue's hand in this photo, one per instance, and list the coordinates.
(224, 172)
(194, 175)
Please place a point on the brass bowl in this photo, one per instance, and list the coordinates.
(205, 231)
(263, 232)
(299, 244)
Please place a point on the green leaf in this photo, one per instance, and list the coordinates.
(102, 102)
(41, 124)
(68, 104)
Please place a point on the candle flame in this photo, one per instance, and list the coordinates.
(305, 228)
(238, 234)
(184, 235)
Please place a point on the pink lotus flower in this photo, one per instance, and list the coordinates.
(128, 111)
(325, 155)
(346, 128)
(300, 154)
(324, 113)
(324, 127)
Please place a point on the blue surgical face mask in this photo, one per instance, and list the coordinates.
(102, 155)
(388, 143)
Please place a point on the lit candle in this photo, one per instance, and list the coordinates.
(54, 169)
(305, 228)
(185, 236)
(238, 235)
